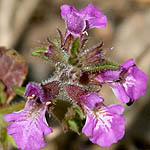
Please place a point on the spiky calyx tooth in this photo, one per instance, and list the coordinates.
(68, 43)
(92, 56)
(83, 42)
(75, 92)
(61, 37)
(52, 88)
(50, 51)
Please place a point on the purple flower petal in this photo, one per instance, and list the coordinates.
(120, 92)
(108, 76)
(33, 88)
(75, 25)
(92, 100)
(135, 83)
(79, 21)
(129, 63)
(36, 91)
(28, 126)
(89, 125)
(105, 125)
(128, 83)
(66, 9)
(93, 16)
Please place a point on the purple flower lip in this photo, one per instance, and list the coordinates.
(35, 91)
(29, 126)
(79, 21)
(104, 125)
(128, 83)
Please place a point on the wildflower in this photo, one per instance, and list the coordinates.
(29, 125)
(128, 83)
(79, 21)
(104, 125)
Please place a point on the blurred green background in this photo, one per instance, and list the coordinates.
(26, 23)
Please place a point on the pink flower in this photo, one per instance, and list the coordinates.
(104, 125)
(128, 83)
(29, 125)
(79, 21)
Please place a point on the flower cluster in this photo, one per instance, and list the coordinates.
(77, 71)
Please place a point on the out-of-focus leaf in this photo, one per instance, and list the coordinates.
(11, 140)
(73, 125)
(12, 108)
(13, 70)
(3, 123)
(5, 139)
(3, 94)
(78, 112)
(75, 122)
(19, 90)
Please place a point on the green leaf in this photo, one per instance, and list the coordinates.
(3, 94)
(5, 139)
(3, 123)
(40, 52)
(19, 90)
(101, 67)
(74, 119)
(11, 140)
(79, 113)
(73, 125)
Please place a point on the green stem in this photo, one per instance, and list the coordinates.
(101, 67)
